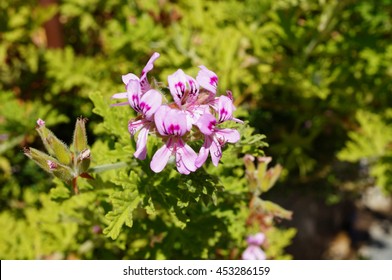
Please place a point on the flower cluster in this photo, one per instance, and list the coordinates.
(196, 113)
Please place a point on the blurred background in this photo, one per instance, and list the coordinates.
(314, 76)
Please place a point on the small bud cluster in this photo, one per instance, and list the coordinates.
(196, 113)
(63, 163)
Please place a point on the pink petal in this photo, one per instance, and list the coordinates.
(177, 85)
(227, 135)
(159, 117)
(253, 253)
(141, 145)
(216, 152)
(207, 79)
(193, 89)
(126, 78)
(204, 151)
(150, 102)
(256, 239)
(170, 121)
(185, 158)
(161, 157)
(145, 85)
(206, 124)
(135, 125)
(119, 95)
(134, 94)
(225, 108)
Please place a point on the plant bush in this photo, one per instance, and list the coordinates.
(313, 76)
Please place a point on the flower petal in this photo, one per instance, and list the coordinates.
(204, 151)
(256, 239)
(145, 85)
(215, 151)
(150, 102)
(206, 124)
(227, 135)
(161, 157)
(130, 76)
(253, 253)
(225, 108)
(134, 94)
(193, 90)
(170, 121)
(119, 95)
(207, 79)
(159, 117)
(185, 158)
(135, 125)
(177, 85)
(141, 145)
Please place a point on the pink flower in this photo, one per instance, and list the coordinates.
(146, 105)
(253, 251)
(183, 88)
(143, 81)
(171, 123)
(214, 137)
(145, 101)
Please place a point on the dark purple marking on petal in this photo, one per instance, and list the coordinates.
(214, 80)
(211, 125)
(222, 114)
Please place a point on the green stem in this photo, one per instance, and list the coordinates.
(106, 167)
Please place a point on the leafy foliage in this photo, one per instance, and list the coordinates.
(313, 76)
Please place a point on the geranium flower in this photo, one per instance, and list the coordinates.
(172, 125)
(214, 137)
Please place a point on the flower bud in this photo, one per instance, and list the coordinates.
(54, 145)
(80, 136)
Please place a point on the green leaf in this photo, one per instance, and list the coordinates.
(123, 205)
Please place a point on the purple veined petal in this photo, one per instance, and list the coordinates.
(206, 124)
(135, 125)
(177, 85)
(134, 94)
(207, 79)
(185, 158)
(204, 151)
(159, 117)
(193, 89)
(141, 145)
(150, 102)
(171, 122)
(256, 239)
(225, 108)
(253, 253)
(227, 135)
(130, 76)
(145, 85)
(161, 157)
(215, 151)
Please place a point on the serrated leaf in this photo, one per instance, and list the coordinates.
(124, 203)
